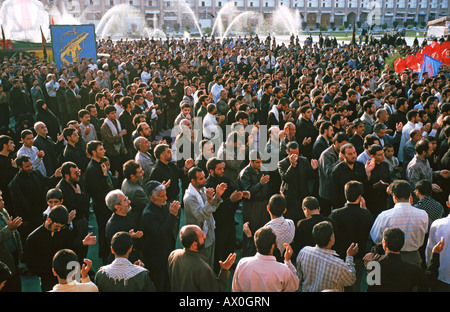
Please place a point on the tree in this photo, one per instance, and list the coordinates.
(176, 27)
(208, 31)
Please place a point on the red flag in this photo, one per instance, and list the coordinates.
(53, 22)
(428, 50)
(399, 65)
(445, 56)
(44, 41)
(445, 52)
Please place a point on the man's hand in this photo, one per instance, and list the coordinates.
(246, 194)
(246, 230)
(306, 141)
(445, 173)
(166, 184)
(439, 246)
(189, 163)
(86, 268)
(139, 263)
(228, 263)
(72, 215)
(314, 164)
(288, 253)
(436, 188)
(123, 132)
(104, 169)
(362, 203)
(89, 240)
(58, 173)
(210, 194)
(264, 179)
(352, 250)
(174, 207)
(220, 189)
(87, 130)
(236, 196)
(13, 224)
(134, 234)
(399, 126)
(40, 154)
(370, 165)
(293, 159)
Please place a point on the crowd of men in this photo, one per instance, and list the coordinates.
(354, 170)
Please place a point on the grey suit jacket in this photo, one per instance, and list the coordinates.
(327, 161)
(137, 195)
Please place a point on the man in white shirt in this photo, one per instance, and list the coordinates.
(412, 221)
(211, 124)
(284, 229)
(66, 263)
(32, 151)
(412, 117)
(215, 89)
(440, 228)
(87, 129)
(262, 272)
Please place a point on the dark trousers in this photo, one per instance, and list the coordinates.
(441, 287)
(256, 214)
(14, 283)
(325, 206)
(225, 243)
(102, 215)
(4, 115)
(47, 282)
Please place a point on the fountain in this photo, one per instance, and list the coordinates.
(284, 19)
(60, 16)
(184, 7)
(22, 20)
(121, 21)
(242, 20)
(228, 9)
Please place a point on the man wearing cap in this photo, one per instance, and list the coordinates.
(159, 223)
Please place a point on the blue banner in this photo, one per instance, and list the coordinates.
(71, 43)
(430, 66)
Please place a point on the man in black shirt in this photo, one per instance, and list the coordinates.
(306, 132)
(303, 231)
(97, 187)
(76, 199)
(224, 215)
(28, 189)
(348, 170)
(8, 169)
(46, 240)
(165, 169)
(352, 225)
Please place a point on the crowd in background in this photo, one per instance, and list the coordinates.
(119, 137)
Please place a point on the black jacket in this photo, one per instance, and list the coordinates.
(294, 185)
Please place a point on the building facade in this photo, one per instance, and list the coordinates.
(167, 13)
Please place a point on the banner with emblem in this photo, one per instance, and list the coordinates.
(72, 43)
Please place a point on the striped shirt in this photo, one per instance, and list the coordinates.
(440, 228)
(321, 269)
(284, 230)
(433, 208)
(412, 221)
